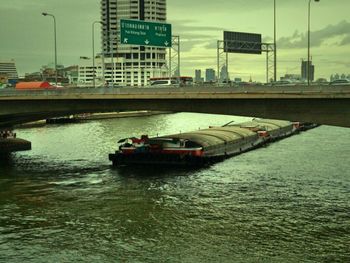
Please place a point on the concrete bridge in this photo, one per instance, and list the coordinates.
(318, 104)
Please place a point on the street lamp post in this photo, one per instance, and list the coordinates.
(93, 52)
(308, 44)
(274, 37)
(54, 23)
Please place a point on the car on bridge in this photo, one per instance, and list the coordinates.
(340, 82)
(166, 82)
(285, 82)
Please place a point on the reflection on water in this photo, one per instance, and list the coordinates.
(63, 202)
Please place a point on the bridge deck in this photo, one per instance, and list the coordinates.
(319, 104)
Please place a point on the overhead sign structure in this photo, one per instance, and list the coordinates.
(136, 32)
(238, 42)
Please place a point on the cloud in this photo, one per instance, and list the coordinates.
(194, 35)
(345, 41)
(299, 40)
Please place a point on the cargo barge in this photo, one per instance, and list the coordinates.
(205, 146)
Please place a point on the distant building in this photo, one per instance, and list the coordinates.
(86, 70)
(210, 75)
(292, 77)
(304, 70)
(8, 69)
(71, 73)
(65, 76)
(34, 76)
(224, 76)
(48, 73)
(198, 76)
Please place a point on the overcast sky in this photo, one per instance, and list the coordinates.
(27, 36)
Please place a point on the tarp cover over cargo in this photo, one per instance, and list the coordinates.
(274, 127)
(215, 136)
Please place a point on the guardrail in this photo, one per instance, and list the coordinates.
(11, 92)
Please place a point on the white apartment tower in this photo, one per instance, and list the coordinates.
(129, 65)
(8, 69)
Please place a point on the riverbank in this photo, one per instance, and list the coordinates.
(111, 115)
(90, 116)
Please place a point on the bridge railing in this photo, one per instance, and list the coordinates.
(11, 92)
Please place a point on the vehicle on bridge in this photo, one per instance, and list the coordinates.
(285, 82)
(340, 82)
(166, 81)
(36, 85)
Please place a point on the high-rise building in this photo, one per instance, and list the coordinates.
(127, 64)
(210, 75)
(197, 76)
(224, 76)
(8, 69)
(304, 71)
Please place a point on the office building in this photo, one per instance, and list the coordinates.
(198, 76)
(8, 69)
(304, 71)
(210, 75)
(224, 76)
(85, 72)
(130, 65)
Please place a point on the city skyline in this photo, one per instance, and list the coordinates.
(28, 36)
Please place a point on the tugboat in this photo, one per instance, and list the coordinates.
(10, 143)
(203, 146)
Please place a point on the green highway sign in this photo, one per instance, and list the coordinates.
(136, 32)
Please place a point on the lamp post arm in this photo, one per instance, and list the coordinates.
(308, 45)
(55, 41)
(54, 21)
(275, 46)
(93, 52)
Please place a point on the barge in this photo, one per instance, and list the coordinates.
(202, 147)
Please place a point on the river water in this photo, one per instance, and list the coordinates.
(63, 202)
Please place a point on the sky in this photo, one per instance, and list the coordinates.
(27, 36)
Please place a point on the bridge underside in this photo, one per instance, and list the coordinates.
(327, 111)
